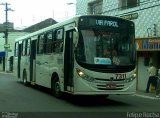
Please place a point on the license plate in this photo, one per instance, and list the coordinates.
(111, 85)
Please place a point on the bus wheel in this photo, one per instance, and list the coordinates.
(25, 78)
(56, 88)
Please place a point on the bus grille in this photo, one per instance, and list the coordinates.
(107, 84)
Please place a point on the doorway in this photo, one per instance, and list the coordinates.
(68, 60)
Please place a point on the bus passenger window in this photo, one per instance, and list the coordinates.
(58, 43)
(28, 47)
(24, 46)
(41, 44)
(59, 34)
(59, 46)
(16, 50)
(49, 45)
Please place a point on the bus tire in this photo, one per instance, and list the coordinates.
(25, 78)
(56, 88)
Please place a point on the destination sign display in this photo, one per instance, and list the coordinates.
(106, 22)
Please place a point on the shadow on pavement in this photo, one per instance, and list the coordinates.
(93, 101)
(81, 100)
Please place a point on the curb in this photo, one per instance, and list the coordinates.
(147, 96)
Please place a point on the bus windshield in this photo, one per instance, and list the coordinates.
(105, 47)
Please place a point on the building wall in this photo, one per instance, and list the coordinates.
(82, 7)
(142, 75)
(148, 14)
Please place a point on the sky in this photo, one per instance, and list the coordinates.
(29, 12)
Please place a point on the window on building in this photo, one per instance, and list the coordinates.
(95, 7)
(125, 4)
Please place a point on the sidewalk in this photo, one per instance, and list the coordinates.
(150, 95)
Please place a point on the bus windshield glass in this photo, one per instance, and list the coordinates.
(96, 46)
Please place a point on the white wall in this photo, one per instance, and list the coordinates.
(142, 74)
(148, 14)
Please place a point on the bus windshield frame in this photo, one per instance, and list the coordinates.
(106, 43)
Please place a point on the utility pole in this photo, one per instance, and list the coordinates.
(6, 45)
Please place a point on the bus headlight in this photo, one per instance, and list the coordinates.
(134, 75)
(81, 74)
(131, 78)
(84, 76)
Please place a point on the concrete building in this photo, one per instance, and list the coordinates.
(145, 15)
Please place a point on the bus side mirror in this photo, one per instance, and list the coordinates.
(75, 37)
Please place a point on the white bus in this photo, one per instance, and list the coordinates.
(85, 55)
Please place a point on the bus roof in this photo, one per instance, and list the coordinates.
(70, 20)
(73, 19)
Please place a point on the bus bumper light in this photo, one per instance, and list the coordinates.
(84, 76)
(131, 78)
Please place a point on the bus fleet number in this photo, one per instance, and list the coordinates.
(120, 76)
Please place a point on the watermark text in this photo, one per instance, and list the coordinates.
(143, 114)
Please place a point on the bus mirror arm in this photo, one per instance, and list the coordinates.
(76, 29)
(75, 37)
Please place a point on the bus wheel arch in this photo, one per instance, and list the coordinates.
(55, 86)
(24, 79)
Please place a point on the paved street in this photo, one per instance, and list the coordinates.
(15, 97)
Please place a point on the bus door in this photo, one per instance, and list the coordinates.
(68, 61)
(19, 60)
(32, 60)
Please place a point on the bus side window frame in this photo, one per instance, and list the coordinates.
(16, 49)
(49, 42)
(24, 47)
(37, 45)
(41, 37)
(58, 40)
(28, 45)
